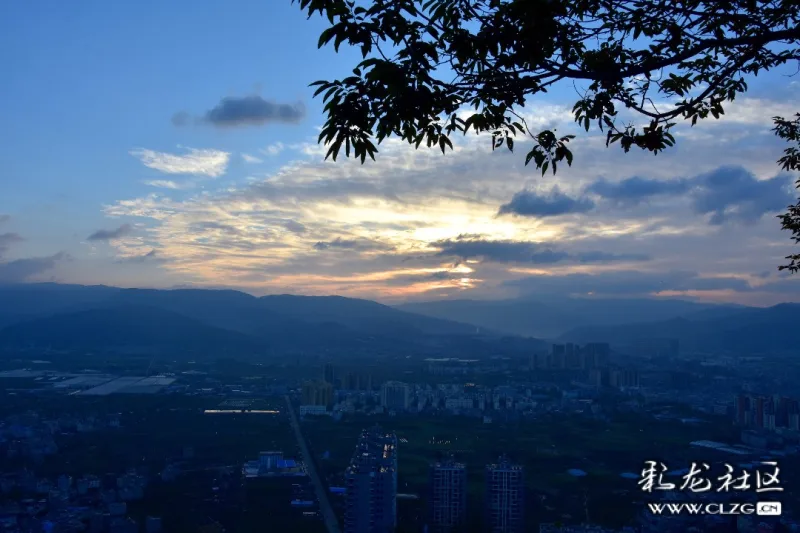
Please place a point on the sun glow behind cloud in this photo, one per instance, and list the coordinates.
(419, 224)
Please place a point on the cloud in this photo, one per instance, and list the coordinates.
(6, 240)
(294, 226)
(4, 218)
(112, 234)
(626, 283)
(351, 244)
(533, 204)
(602, 257)
(209, 225)
(168, 184)
(23, 269)
(251, 159)
(273, 149)
(253, 110)
(151, 256)
(205, 162)
(735, 194)
(727, 193)
(523, 252)
(416, 203)
(425, 277)
(634, 190)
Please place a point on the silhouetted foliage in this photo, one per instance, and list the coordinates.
(425, 60)
(790, 130)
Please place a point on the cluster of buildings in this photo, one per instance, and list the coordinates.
(271, 464)
(371, 491)
(504, 497)
(589, 363)
(89, 503)
(766, 412)
(30, 436)
(354, 392)
(573, 357)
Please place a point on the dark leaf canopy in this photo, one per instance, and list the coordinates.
(790, 131)
(423, 61)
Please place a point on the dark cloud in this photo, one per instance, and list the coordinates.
(498, 251)
(294, 226)
(206, 226)
(4, 218)
(7, 239)
(22, 269)
(786, 286)
(360, 245)
(735, 194)
(227, 245)
(533, 204)
(408, 279)
(726, 194)
(151, 256)
(522, 252)
(602, 257)
(110, 234)
(635, 190)
(626, 283)
(245, 111)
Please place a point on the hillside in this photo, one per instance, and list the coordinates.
(747, 330)
(214, 321)
(551, 319)
(126, 328)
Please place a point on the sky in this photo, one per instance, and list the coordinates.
(173, 144)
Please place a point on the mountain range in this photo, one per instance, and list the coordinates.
(70, 317)
(227, 322)
(553, 318)
(745, 330)
(625, 322)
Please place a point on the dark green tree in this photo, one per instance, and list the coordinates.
(790, 131)
(424, 60)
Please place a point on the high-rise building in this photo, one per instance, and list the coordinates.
(371, 484)
(317, 393)
(395, 396)
(624, 378)
(357, 381)
(447, 499)
(595, 355)
(558, 357)
(572, 356)
(759, 418)
(329, 373)
(741, 406)
(505, 497)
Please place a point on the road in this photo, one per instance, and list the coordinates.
(331, 522)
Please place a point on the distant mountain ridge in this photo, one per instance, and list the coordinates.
(108, 318)
(196, 321)
(553, 318)
(751, 330)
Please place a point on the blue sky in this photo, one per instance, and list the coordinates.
(90, 144)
